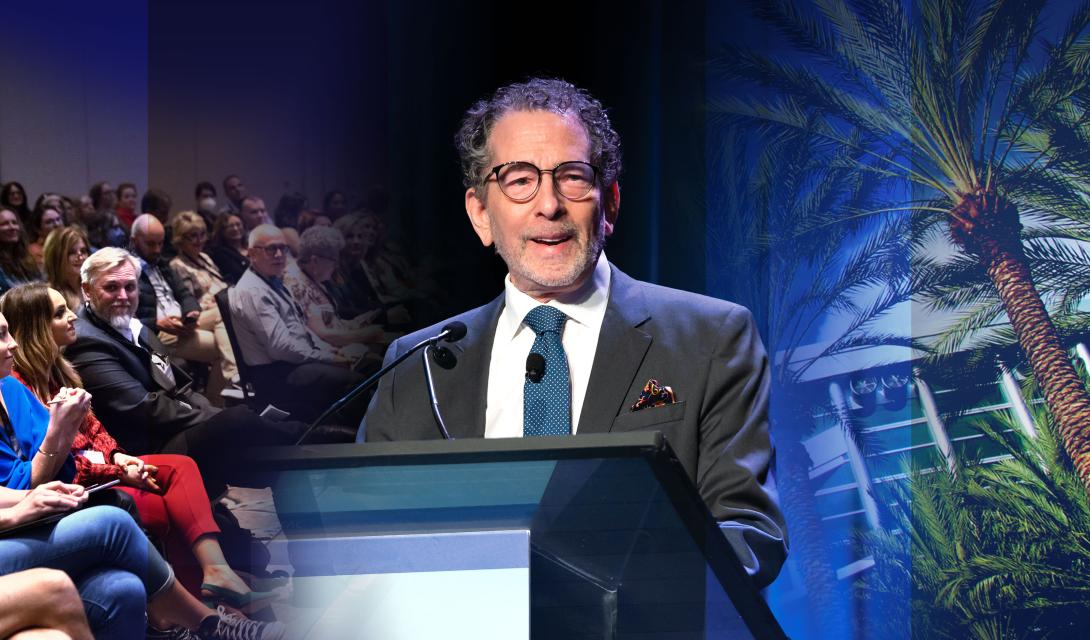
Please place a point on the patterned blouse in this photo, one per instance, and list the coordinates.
(92, 436)
(201, 277)
(311, 296)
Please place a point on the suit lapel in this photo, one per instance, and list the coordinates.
(622, 347)
(142, 351)
(463, 390)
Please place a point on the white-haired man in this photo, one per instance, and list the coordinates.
(144, 401)
(285, 359)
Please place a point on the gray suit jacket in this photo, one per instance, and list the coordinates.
(708, 351)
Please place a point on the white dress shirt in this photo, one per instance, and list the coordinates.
(585, 308)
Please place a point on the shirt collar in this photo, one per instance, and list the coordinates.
(587, 305)
(134, 331)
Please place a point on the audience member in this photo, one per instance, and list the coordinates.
(200, 277)
(126, 204)
(204, 198)
(286, 217)
(311, 218)
(288, 210)
(228, 247)
(203, 191)
(168, 489)
(393, 279)
(351, 286)
(17, 265)
(234, 191)
(253, 213)
(85, 210)
(158, 203)
(165, 306)
(103, 196)
(308, 280)
(41, 604)
(68, 208)
(285, 358)
(335, 205)
(13, 196)
(64, 252)
(35, 448)
(118, 573)
(104, 229)
(45, 218)
(148, 404)
(48, 199)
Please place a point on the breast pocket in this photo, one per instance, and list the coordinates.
(649, 418)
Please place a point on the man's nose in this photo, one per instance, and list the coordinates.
(548, 202)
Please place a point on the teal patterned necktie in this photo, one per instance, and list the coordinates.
(546, 407)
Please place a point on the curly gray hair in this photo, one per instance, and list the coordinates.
(320, 241)
(536, 94)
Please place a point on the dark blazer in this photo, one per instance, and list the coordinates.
(707, 350)
(146, 309)
(140, 405)
(231, 263)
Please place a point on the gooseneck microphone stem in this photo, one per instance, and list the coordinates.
(431, 394)
(451, 332)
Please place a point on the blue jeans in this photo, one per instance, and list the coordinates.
(104, 552)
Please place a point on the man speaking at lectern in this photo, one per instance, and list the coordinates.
(540, 162)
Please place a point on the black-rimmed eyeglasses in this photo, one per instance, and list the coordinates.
(520, 180)
(273, 249)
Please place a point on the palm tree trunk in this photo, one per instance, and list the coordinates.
(987, 226)
(826, 605)
(1064, 391)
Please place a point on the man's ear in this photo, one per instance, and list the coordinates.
(611, 206)
(86, 287)
(478, 217)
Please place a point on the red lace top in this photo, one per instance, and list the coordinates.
(92, 435)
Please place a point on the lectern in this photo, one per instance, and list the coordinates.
(593, 536)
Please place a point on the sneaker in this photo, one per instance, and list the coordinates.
(174, 633)
(231, 626)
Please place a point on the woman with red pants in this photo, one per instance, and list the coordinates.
(168, 489)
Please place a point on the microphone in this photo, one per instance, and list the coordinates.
(535, 367)
(444, 357)
(451, 332)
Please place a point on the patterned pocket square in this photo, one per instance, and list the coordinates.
(654, 395)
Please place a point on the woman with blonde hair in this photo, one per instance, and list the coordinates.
(64, 251)
(168, 489)
(200, 275)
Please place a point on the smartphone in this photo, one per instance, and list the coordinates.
(188, 320)
(55, 516)
(98, 487)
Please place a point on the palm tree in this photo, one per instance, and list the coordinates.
(963, 102)
(783, 235)
(993, 551)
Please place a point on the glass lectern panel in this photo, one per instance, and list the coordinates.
(617, 545)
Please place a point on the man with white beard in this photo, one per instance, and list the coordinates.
(144, 401)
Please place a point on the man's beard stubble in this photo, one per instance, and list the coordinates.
(589, 256)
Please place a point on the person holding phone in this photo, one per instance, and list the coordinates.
(168, 489)
(118, 573)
